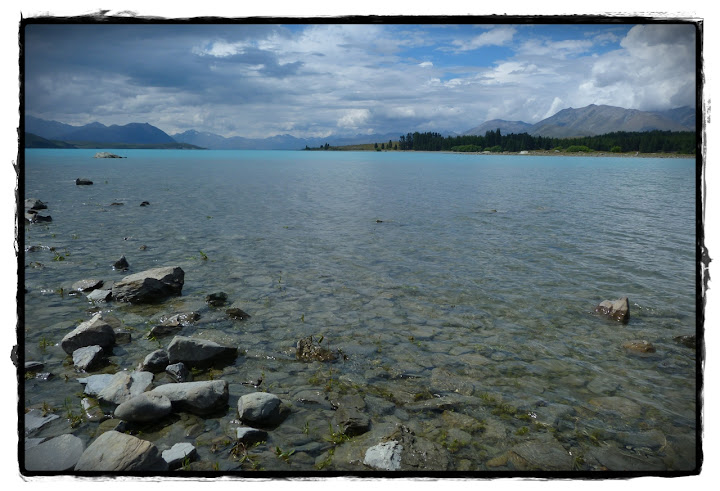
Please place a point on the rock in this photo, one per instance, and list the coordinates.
(546, 455)
(34, 204)
(34, 366)
(87, 285)
(87, 357)
(179, 372)
(198, 352)
(122, 336)
(307, 350)
(688, 340)
(150, 286)
(34, 217)
(122, 386)
(96, 383)
(261, 408)
(159, 331)
(117, 452)
(237, 314)
(81, 181)
(106, 155)
(618, 309)
(615, 459)
(59, 454)
(249, 435)
(91, 410)
(639, 346)
(205, 397)
(351, 422)
(89, 333)
(35, 419)
(180, 320)
(121, 264)
(216, 299)
(99, 295)
(145, 203)
(385, 456)
(179, 454)
(155, 362)
(115, 203)
(146, 407)
(616, 404)
(142, 247)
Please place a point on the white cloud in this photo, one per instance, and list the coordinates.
(354, 118)
(498, 36)
(426, 64)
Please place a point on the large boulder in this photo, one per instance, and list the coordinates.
(198, 352)
(153, 285)
(59, 454)
(204, 397)
(616, 309)
(117, 452)
(117, 388)
(96, 331)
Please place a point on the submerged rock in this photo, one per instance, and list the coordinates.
(237, 314)
(89, 333)
(247, 435)
(81, 181)
(117, 452)
(59, 454)
(150, 286)
(87, 285)
(216, 299)
(617, 309)
(178, 454)
(198, 352)
(639, 346)
(688, 340)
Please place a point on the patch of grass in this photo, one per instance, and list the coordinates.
(43, 344)
(327, 461)
(283, 455)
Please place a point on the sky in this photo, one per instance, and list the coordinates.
(324, 79)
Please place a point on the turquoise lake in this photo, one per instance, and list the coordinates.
(460, 289)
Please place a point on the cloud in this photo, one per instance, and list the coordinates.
(354, 118)
(426, 64)
(498, 36)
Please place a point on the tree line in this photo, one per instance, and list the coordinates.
(655, 141)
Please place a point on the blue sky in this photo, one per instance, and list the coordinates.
(319, 80)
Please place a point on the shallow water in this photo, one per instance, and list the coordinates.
(438, 275)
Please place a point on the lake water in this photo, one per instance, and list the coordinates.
(461, 288)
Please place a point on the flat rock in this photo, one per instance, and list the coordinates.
(198, 352)
(99, 295)
(351, 422)
(89, 333)
(617, 309)
(59, 454)
(87, 285)
(546, 455)
(178, 454)
(150, 286)
(35, 419)
(249, 435)
(639, 346)
(616, 404)
(117, 452)
(144, 408)
(385, 456)
(88, 357)
(204, 397)
(121, 386)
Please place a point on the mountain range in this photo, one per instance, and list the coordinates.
(587, 121)
(595, 120)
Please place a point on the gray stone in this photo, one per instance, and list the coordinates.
(122, 336)
(87, 285)
(198, 352)
(546, 455)
(34, 204)
(237, 314)
(261, 408)
(617, 309)
(159, 331)
(122, 263)
(58, 454)
(200, 398)
(117, 452)
(144, 408)
(89, 333)
(35, 419)
(180, 320)
(178, 454)
(82, 181)
(124, 386)
(88, 357)
(99, 295)
(155, 362)
(106, 155)
(150, 286)
(179, 372)
(216, 299)
(351, 422)
(385, 456)
(249, 435)
(33, 366)
(94, 384)
(91, 410)
(616, 404)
